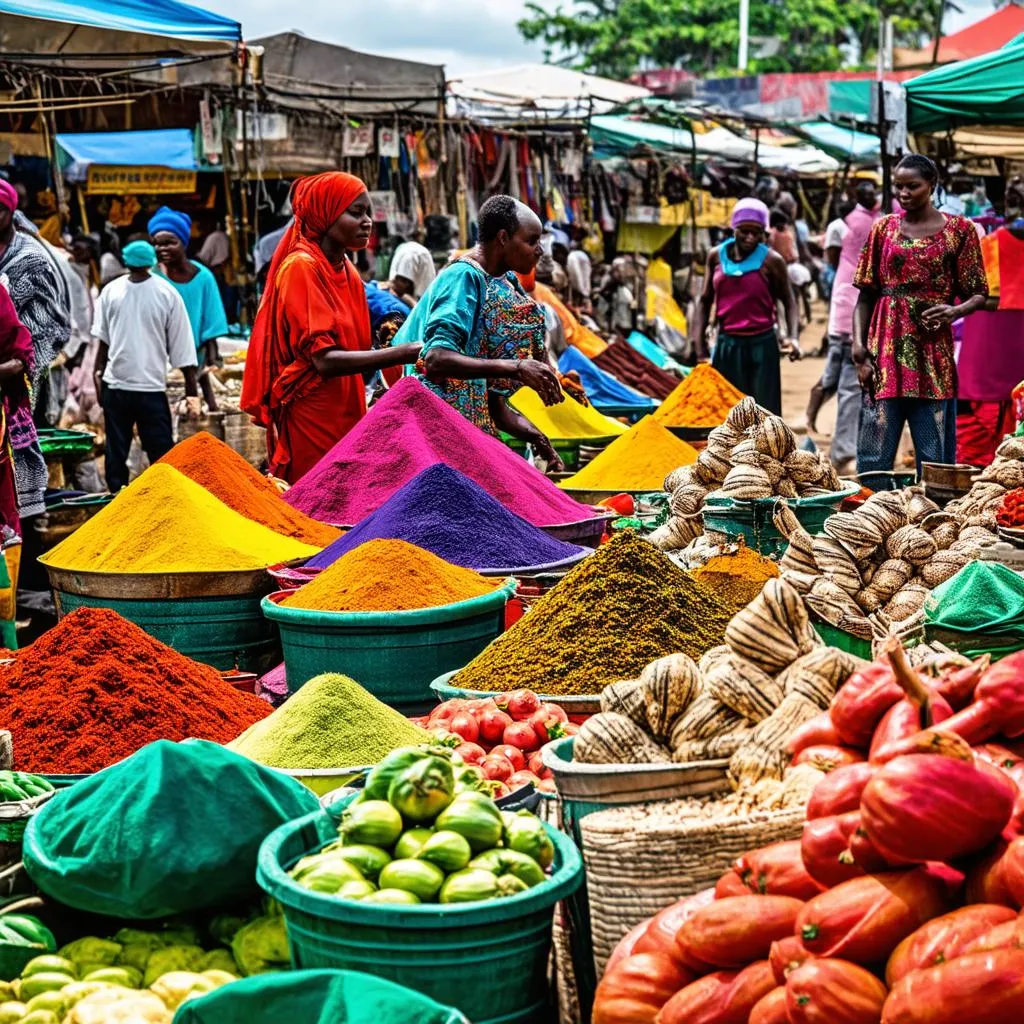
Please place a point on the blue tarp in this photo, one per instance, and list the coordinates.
(167, 18)
(650, 349)
(163, 147)
(603, 390)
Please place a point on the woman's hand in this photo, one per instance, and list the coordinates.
(539, 376)
(935, 317)
(866, 373)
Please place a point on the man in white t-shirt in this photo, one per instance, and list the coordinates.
(142, 325)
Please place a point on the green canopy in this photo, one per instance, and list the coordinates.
(986, 90)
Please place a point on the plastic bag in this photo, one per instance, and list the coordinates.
(175, 827)
(315, 997)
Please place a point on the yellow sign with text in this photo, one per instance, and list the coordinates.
(105, 180)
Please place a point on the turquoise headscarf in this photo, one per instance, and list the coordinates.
(138, 254)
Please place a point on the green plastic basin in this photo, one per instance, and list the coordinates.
(394, 655)
(225, 632)
(488, 959)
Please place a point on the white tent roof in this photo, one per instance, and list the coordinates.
(537, 90)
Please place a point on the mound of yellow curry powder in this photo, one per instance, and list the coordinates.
(165, 522)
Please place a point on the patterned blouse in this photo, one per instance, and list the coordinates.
(910, 275)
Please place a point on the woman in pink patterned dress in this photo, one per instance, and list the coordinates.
(919, 271)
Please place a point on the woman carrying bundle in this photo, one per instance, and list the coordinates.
(311, 342)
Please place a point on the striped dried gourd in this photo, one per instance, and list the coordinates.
(912, 544)
(726, 436)
(817, 675)
(763, 754)
(785, 488)
(741, 685)
(804, 467)
(626, 697)
(834, 561)
(942, 566)
(801, 582)
(785, 520)
(774, 438)
(830, 602)
(680, 477)
(787, 608)
(746, 483)
(704, 718)
(889, 577)
(713, 658)
(907, 603)
(882, 517)
(829, 481)
(920, 506)
(1011, 448)
(676, 532)
(688, 500)
(745, 414)
(860, 537)
(763, 633)
(610, 738)
(867, 600)
(669, 686)
(715, 749)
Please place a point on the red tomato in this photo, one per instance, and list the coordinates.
(444, 713)
(547, 786)
(535, 764)
(499, 789)
(521, 735)
(524, 778)
(520, 704)
(546, 726)
(555, 711)
(493, 725)
(471, 753)
(497, 767)
(514, 756)
(465, 725)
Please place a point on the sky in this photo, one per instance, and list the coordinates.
(464, 35)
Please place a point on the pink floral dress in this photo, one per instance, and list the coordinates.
(910, 275)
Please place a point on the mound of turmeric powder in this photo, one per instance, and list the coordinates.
(703, 399)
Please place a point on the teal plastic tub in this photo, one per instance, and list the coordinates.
(225, 632)
(488, 960)
(752, 520)
(394, 655)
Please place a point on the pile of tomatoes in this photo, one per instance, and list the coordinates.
(502, 735)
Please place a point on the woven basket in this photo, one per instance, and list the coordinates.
(640, 859)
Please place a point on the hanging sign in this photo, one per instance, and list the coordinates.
(357, 140)
(387, 143)
(105, 179)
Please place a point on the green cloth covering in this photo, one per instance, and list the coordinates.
(315, 997)
(985, 600)
(174, 828)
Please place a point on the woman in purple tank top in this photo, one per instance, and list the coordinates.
(745, 281)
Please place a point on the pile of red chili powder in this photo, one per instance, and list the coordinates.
(96, 688)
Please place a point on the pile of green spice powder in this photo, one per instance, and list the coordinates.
(610, 617)
(332, 722)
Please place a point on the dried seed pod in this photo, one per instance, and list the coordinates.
(681, 477)
(868, 600)
(746, 483)
(912, 544)
(742, 686)
(907, 603)
(804, 467)
(713, 657)
(610, 738)
(726, 436)
(801, 582)
(830, 602)
(677, 532)
(687, 501)
(784, 519)
(625, 697)
(712, 467)
(892, 575)
(669, 686)
(942, 566)
(830, 478)
(858, 536)
(786, 488)
(1011, 448)
(919, 507)
(746, 413)
(799, 556)
(834, 561)
(774, 438)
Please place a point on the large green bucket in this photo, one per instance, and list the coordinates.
(394, 655)
(226, 632)
(487, 959)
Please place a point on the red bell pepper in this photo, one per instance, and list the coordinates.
(998, 706)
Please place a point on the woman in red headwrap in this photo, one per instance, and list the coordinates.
(311, 340)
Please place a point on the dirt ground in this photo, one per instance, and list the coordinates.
(798, 379)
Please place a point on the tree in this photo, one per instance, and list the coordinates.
(618, 37)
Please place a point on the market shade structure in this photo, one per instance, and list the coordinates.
(540, 91)
(308, 75)
(840, 141)
(987, 90)
(104, 27)
(979, 38)
(163, 147)
(615, 135)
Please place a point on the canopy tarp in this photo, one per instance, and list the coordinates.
(981, 37)
(305, 74)
(987, 90)
(77, 27)
(163, 147)
(538, 90)
(614, 135)
(842, 142)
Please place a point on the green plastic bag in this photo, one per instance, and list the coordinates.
(174, 828)
(984, 600)
(315, 997)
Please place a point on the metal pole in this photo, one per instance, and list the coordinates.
(744, 53)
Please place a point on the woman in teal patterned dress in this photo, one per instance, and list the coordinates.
(919, 272)
(482, 335)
